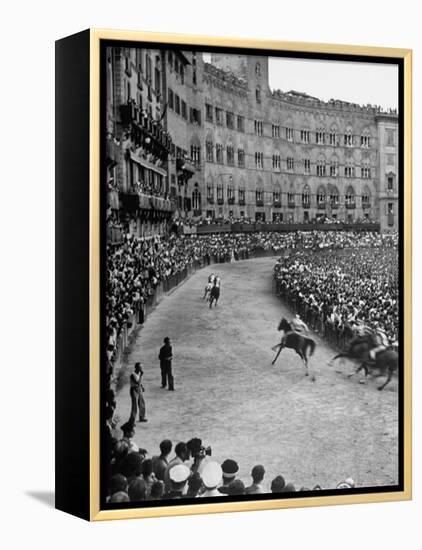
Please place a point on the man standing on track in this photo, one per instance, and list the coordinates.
(165, 356)
(136, 390)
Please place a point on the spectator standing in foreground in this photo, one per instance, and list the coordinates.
(165, 356)
(136, 390)
(182, 455)
(257, 474)
(160, 463)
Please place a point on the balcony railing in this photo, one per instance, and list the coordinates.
(350, 205)
(277, 204)
(220, 201)
(241, 202)
(230, 200)
(334, 205)
(210, 200)
(291, 204)
(259, 202)
(306, 204)
(321, 205)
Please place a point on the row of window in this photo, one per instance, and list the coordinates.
(179, 106)
(322, 169)
(321, 197)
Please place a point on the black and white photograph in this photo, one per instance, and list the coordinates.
(251, 267)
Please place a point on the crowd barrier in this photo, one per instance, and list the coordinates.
(167, 285)
(338, 337)
(284, 227)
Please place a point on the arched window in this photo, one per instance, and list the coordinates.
(349, 137)
(333, 135)
(349, 168)
(277, 195)
(321, 197)
(209, 148)
(195, 151)
(333, 196)
(291, 196)
(196, 199)
(334, 166)
(350, 197)
(320, 168)
(306, 197)
(390, 181)
(366, 168)
(366, 197)
(365, 139)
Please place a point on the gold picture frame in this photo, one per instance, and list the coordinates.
(95, 512)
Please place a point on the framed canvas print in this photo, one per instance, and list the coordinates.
(233, 276)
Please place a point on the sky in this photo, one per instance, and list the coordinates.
(361, 83)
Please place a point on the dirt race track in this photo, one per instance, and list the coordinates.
(228, 393)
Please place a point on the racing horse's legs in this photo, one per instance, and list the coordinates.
(280, 347)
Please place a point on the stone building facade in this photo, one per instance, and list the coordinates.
(212, 140)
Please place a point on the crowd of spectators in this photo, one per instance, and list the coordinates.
(137, 266)
(353, 285)
(189, 472)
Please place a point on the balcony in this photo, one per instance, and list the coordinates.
(259, 202)
(291, 204)
(210, 200)
(306, 204)
(241, 202)
(277, 204)
(321, 205)
(220, 201)
(334, 205)
(350, 205)
(366, 205)
(230, 200)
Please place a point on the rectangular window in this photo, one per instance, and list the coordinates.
(241, 158)
(241, 196)
(364, 141)
(171, 99)
(219, 116)
(208, 112)
(259, 160)
(276, 162)
(290, 164)
(209, 151)
(307, 166)
(195, 155)
(230, 120)
(177, 104)
(390, 138)
(240, 123)
(219, 153)
(390, 183)
(230, 155)
(157, 81)
(259, 128)
(195, 116)
(333, 170)
(289, 134)
(333, 138)
(275, 129)
(320, 138)
(304, 136)
(184, 110)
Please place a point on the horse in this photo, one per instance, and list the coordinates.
(386, 361)
(207, 290)
(214, 295)
(295, 341)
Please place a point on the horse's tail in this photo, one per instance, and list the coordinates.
(311, 344)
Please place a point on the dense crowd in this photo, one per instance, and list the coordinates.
(347, 287)
(189, 472)
(137, 266)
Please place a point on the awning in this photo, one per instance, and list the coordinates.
(147, 164)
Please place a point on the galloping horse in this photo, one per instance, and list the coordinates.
(387, 360)
(214, 295)
(295, 341)
(207, 291)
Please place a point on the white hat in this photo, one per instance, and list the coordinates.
(179, 473)
(212, 475)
